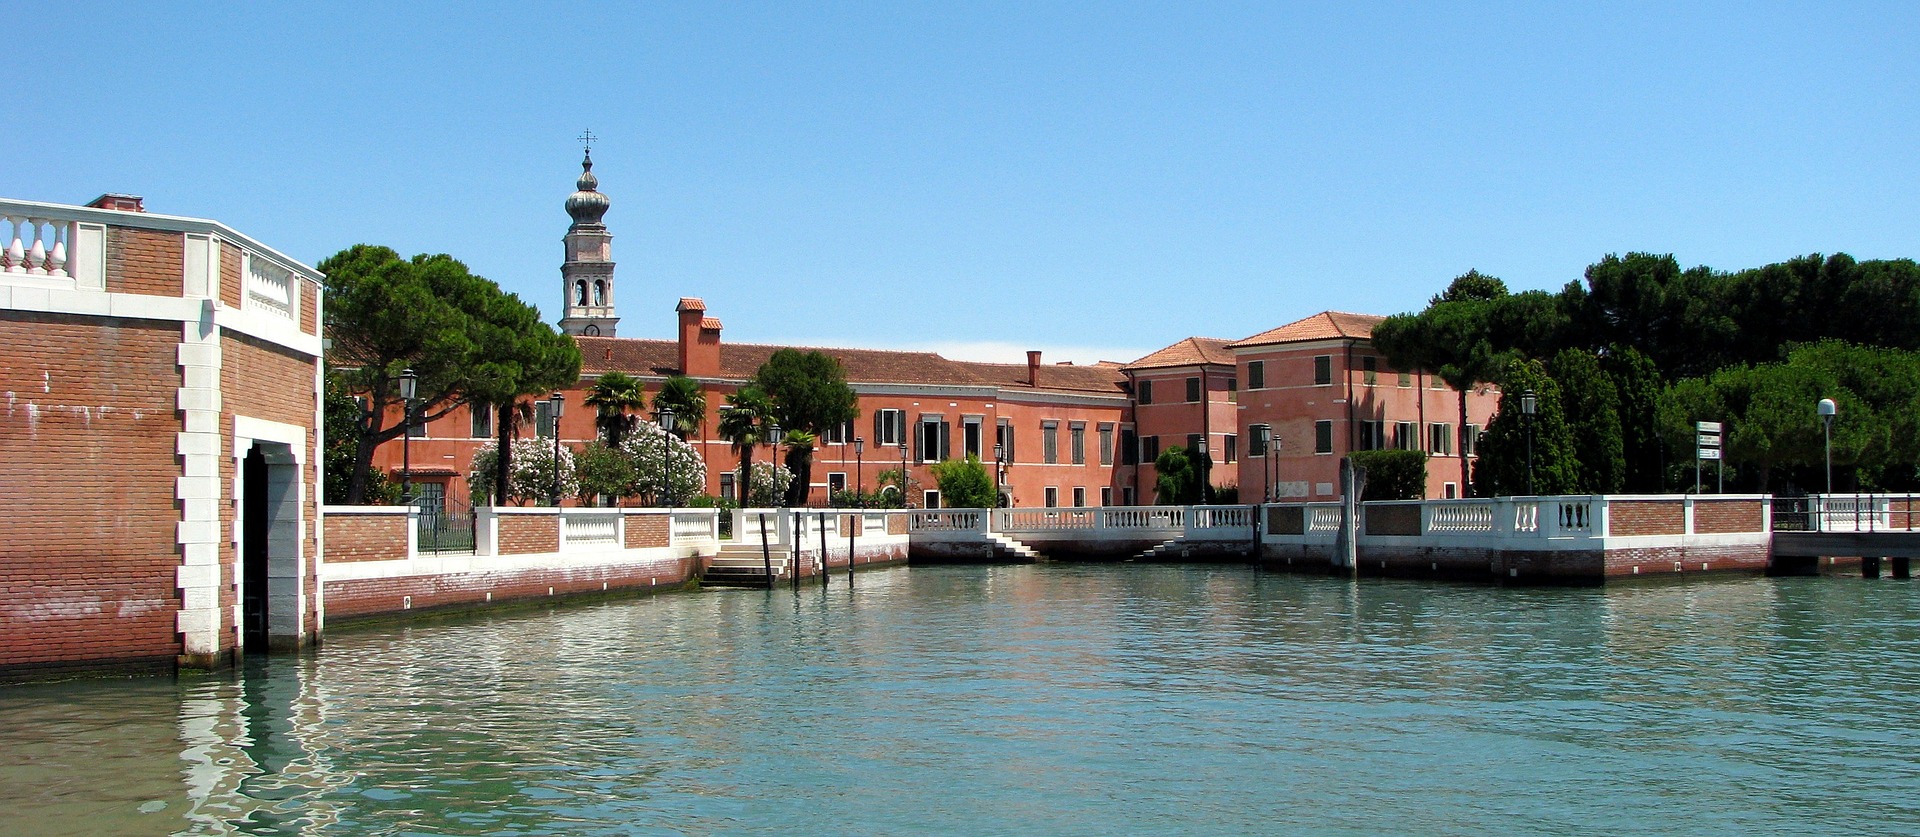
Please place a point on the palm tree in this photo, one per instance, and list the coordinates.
(743, 423)
(800, 461)
(612, 396)
(688, 402)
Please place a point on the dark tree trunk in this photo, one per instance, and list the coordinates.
(800, 462)
(502, 463)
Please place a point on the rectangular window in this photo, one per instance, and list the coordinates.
(1470, 440)
(1323, 369)
(836, 483)
(1077, 442)
(482, 417)
(889, 427)
(1049, 442)
(728, 491)
(1126, 495)
(1373, 436)
(543, 419)
(1232, 451)
(1106, 495)
(971, 436)
(1079, 497)
(1406, 435)
(1003, 436)
(1257, 436)
(1146, 392)
(1369, 369)
(1129, 447)
(1406, 379)
(930, 498)
(1149, 448)
(1053, 497)
(1106, 443)
(1323, 436)
(934, 439)
(1450, 491)
(1193, 390)
(839, 433)
(1435, 383)
(1193, 441)
(1440, 439)
(415, 427)
(1257, 374)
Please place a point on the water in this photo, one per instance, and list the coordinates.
(1055, 699)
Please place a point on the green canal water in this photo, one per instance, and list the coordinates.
(1055, 699)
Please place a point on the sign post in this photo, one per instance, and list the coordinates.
(1707, 446)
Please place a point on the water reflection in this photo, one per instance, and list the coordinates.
(1047, 699)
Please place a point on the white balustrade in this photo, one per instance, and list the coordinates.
(1460, 517)
(1526, 517)
(589, 529)
(1222, 517)
(1575, 516)
(269, 287)
(1144, 517)
(1324, 519)
(695, 525)
(946, 521)
(35, 246)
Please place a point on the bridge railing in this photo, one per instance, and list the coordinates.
(1860, 513)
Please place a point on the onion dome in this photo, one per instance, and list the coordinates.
(587, 205)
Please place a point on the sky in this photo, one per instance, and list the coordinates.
(1092, 180)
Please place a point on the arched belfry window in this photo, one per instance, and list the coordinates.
(580, 292)
(599, 291)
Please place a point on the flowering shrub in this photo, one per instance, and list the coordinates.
(530, 475)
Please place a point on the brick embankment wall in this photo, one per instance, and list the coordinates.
(359, 599)
(1727, 516)
(644, 530)
(87, 463)
(369, 537)
(521, 534)
(1649, 517)
(1667, 560)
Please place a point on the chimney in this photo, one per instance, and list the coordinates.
(1033, 368)
(699, 339)
(118, 202)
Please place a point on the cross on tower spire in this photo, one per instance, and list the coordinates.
(586, 139)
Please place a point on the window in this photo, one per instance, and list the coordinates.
(1193, 390)
(415, 427)
(1232, 451)
(971, 436)
(1257, 374)
(1435, 383)
(934, 439)
(889, 427)
(1079, 497)
(1406, 379)
(1106, 495)
(1372, 436)
(1470, 440)
(1450, 491)
(1126, 495)
(543, 419)
(930, 498)
(1050, 442)
(1193, 441)
(1369, 369)
(1323, 369)
(1077, 442)
(1440, 439)
(1149, 448)
(1129, 448)
(1053, 497)
(1323, 436)
(1146, 392)
(1257, 436)
(1003, 436)
(836, 483)
(840, 433)
(1106, 443)
(728, 491)
(482, 417)
(1406, 435)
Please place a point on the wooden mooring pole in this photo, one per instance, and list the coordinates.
(850, 528)
(766, 552)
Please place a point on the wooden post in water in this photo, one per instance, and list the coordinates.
(825, 564)
(766, 552)
(1870, 566)
(1902, 567)
(863, 523)
(793, 567)
(1253, 519)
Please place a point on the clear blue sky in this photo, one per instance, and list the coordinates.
(1094, 180)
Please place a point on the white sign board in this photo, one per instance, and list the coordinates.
(1707, 426)
(1709, 453)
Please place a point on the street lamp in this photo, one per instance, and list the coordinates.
(666, 425)
(409, 388)
(1828, 410)
(903, 474)
(1529, 402)
(860, 469)
(999, 470)
(773, 438)
(556, 401)
(1206, 469)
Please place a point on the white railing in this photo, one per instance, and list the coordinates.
(269, 287)
(1144, 517)
(1463, 516)
(1029, 520)
(960, 520)
(1864, 512)
(1525, 516)
(35, 246)
(1575, 516)
(1220, 517)
(873, 523)
(1324, 518)
(695, 525)
(589, 528)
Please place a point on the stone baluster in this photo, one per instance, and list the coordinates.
(16, 254)
(37, 255)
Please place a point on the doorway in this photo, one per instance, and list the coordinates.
(271, 617)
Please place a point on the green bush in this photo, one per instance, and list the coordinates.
(1393, 474)
(964, 483)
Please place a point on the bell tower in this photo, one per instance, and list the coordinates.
(586, 277)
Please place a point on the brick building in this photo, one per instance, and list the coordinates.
(158, 450)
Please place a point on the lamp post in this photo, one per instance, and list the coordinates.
(1828, 410)
(1206, 469)
(860, 469)
(773, 438)
(557, 402)
(666, 425)
(1528, 403)
(903, 473)
(409, 388)
(999, 470)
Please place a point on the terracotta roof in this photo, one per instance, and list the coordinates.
(691, 303)
(1103, 379)
(740, 360)
(710, 323)
(1326, 325)
(1189, 352)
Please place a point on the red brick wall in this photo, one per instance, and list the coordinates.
(264, 381)
(145, 261)
(366, 537)
(1625, 563)
(230, 291)
(87, 468)
(896, 524)
(1646, 517)
(1719, 516)
(648, 530)
(523, 533)
(372, 597)
(309, 305)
